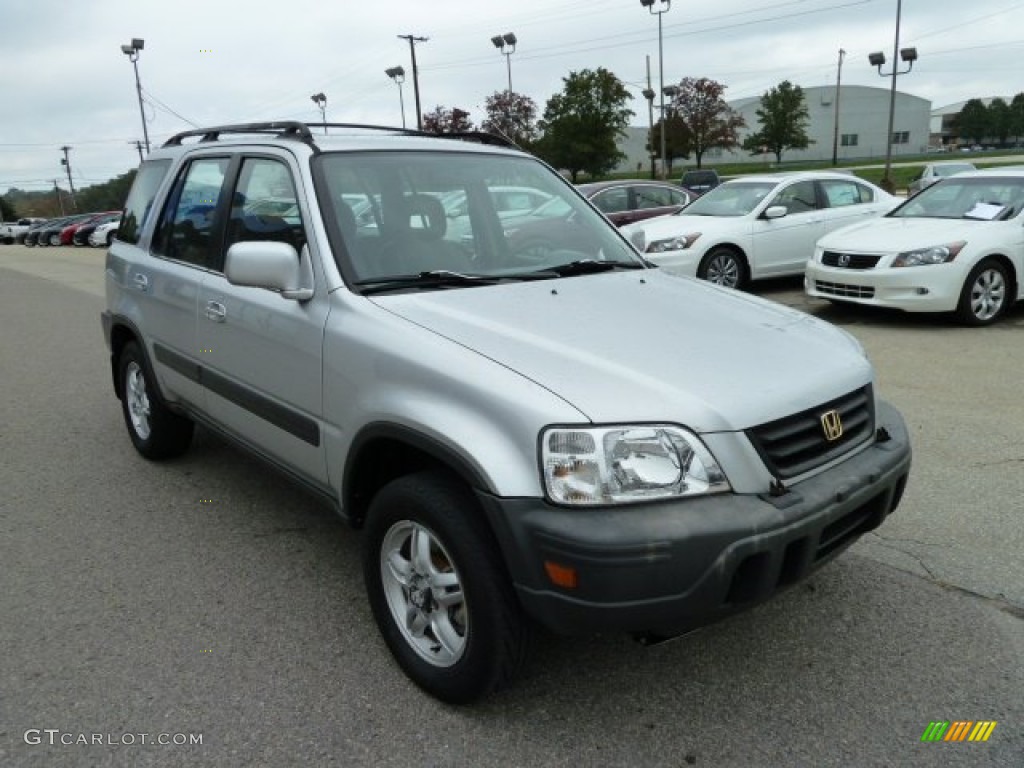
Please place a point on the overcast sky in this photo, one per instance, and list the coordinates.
(64, 80)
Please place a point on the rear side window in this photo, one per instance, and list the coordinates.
(140, 199)
(842, 193)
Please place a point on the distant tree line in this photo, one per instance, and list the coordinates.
(997, 122)
(108, 196)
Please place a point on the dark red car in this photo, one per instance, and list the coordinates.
(629, 200)
(67, 234)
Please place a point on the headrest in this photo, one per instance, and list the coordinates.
(425, 217)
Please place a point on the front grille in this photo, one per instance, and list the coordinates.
(845, 291)
(796, 444)
(853, 260)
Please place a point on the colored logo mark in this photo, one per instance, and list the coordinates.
(958, 730)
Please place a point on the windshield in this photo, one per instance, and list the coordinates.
(477, 215)
(734, 198)
(982, 199)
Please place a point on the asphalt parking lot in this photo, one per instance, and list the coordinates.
(208, 596)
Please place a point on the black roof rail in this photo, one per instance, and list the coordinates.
(301, 131)
(283, 128)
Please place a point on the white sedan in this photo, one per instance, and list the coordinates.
(957, 246)
(104, 234)
(757, 226)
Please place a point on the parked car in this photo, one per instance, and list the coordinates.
(629, 200)
(11, 231)
(571, 442)
(29, 237)
(957, 246)
(54, 232)
(83, 231)
(757, 226)
(104, 234)
(700, 181)
(40, 235)
(932, 172)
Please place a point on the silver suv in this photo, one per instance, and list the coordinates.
(531, 431)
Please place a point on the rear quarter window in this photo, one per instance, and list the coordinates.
(140, 200)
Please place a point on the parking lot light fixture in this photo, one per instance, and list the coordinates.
(877, 59)
(321, 102)
(398, 75)
(131, 50)
(506, 45)
(665, 6)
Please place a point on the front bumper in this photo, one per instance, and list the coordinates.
(934, 288)
(666, 568)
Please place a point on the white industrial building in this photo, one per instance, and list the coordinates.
(863, 128)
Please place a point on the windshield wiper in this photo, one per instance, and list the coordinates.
(589, 267)
(435, 278)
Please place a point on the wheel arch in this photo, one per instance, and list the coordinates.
(732, 246)
(382, 452)
(1011, 272)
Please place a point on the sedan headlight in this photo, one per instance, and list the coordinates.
(936, 254)
(623, 464)
(678, 243)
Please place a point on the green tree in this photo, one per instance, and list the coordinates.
(7, 212)
(582, 124)
(1017, 116)
(677, 140)
(444, 120)
(999, 118)
(784, 119)
(710, 121)
(973, 121)
(512, 115)
(108, 196)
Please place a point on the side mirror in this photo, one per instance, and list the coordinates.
(267, 264)
(775, 212)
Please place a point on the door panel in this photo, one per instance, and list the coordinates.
(782, 246)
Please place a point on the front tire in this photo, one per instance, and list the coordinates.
(984, 295)
(439, 591)
(723, 266)
(156, 432)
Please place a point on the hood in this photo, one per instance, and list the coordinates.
(662, 227)
(647, 346)
(893, 235)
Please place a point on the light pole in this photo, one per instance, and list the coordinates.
(131, 50)
(321, 102)
(909, 55)
(671, 91)
(415, 75)
(398, 75)
(649, 95)
(502, 42)
(649, 5)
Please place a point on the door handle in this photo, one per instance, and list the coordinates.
(216, 311)
(141, 281)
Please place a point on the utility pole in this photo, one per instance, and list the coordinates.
(56, 191)
(835, 133)
(138, 146)
(415, 75)
(67, 164)
(649, 95)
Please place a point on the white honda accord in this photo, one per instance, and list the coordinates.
(757, 226)
(957, 246)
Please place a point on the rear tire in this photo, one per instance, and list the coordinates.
(156, 432)
(984, 296)
(439, 591)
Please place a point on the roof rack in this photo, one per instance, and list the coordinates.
(293, 129)
(283, 129)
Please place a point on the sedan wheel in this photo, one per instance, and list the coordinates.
(984, 294)
(723, 266)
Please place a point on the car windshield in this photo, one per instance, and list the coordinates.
(952, 170)
(456, 215)
(982, 199)
(734, 198)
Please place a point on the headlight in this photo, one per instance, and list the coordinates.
(624, 464)
(936, 254)
(678, 243)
